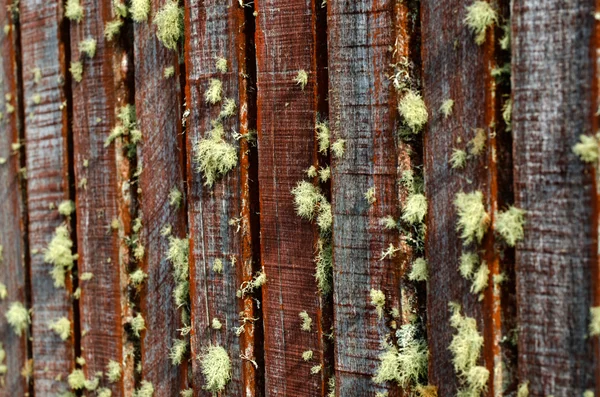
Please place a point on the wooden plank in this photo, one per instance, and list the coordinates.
(362, 103)
(13, 217)
(220, 216)
(46, 129)
(286, 44)
(556, 264)
(97, 168)
(160, 156)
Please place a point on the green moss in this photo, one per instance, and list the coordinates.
(458, 159)
(216, 368)
(509, 225)
(76, 70)
(18, 317)
(140, 10)
(323, 136)
(378, 300)
(61, 327)
(221, 65)
(338, 148)
(113, 371)
(468, 262)
(214, 157)
(168, 72)
(60, 256)
(74, 10)
(477, 144)
(214, 92)
(306, 321)
(88, 47)
(324, 266)
(413, 110)
(145, 390)
(169, 24)
(175, 198)
(66, 208)
(371, 195)
(301, 78)
(415, 209)
(307, 355)
(473, 221)
(587, 148)
(446, 108)
(228, 109)
(480, 16)
(137, 324)
(419, 270)
(178, 351)
(76, 379)
(112, 29)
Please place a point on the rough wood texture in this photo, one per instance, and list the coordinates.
(158, 105)
(286, 121)
(219, 216)
(362, 103)
(94, 109)
(13, 264)
(552, 90)
(46, 129)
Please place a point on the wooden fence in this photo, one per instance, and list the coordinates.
(299, 198)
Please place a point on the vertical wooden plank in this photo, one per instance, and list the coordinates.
(553, 105)
(362, 103)
(285, 44)
(13, 220)
(220, 216)
(96, 173)
(160, 156)
(46, 129)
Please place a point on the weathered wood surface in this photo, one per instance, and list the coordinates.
(553, 104)
(46, 131)
(160, 156)
(285, 44)
(97, 205)
(14, 253)
(362, 111)
(220, 216)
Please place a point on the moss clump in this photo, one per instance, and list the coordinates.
(74, 10)
(446, 108)
(324, 266)
(60, 256)
(113, 371)
(112, 29)
(61, 327)
(480, 16)
(76, 70)
(221, 65)
(415, 209)
(88, 47)
(509, 225)
(473, 221)
(587, 148)
(323, 136)
(169, 24)
(66, 207)
(17, 317)
(306, 321)
(307, 355)
(301, 78)
(145, 390)
(175, 198)
(178, 351)
(378, 300)
(140, 10)
(137, 324)
(477, 144)
(216, 368)
(419, 270)
(214, 157)
(412, 108)
(228, 109)
(338, 148)
(458, 159)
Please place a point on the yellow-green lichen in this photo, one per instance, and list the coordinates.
(146, 389)
(480, 16)
(338, 148)
(310, 203)
(74, 10)
(214, 92)
(415, 209)
(477, 144)
(76, 70)
(419, 270)
(480, 278)
(187, 393)
(301, 78)
(389, 252)
(324, 174)
(509, 225)
(594, 326)
(473, 220)
(221, 65)
(168, 72)
(169, 24)
(248, 287)
(66, 207)
(137, 324)
(60, 256)
(178, 351)
(216, 368)
(587, 148)
(214, 157)
(140, 10)
(316, 369)
(3, 291)
(370, 195)
(88, 47)
(18, 317)
(458, 159)
(228, 109)
(86, 276)
(306, 321)
(413, 110)
(76, 379)
(388, 222)
(113, 371)
(218, 265)
(507, 114)
(61, 327)
(112, 29)
(523, 389)
(323, 136)
(307, 355)
(468, 262)
(216, 323)
(324, 266)
(175, 197)
(378, 300)
(446, 107)
(104, 392)
(137, 277)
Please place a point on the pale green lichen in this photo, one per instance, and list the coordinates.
(76, 70)
(306, 321)
(389, 252)
(112, 29)
(214, 91)
(480, 278)
(388, 222)
(307, 355)
(594, 326)
(187, 393)
(228, 109)
(316, 369)
(419, 270)
(218, 265)
(415, 209)
(587, 393)
(137, 277)
(301, 78)
(468, 262)
(104, 392)
(480, 16)
(61, 327)
(137, 324)
(338, 148)
(507, 114)
(76, 379)
(113, 371)
(370, 195)
(169, 24)
(88, 47)
(324, 174)
(413, 110)
(66, 207)
(446, 108)
(473, 220)
(74, 10)
(3, 291)
(59, 255)
(175, 198)
(216, 324)
(311, 172)
(85, 276)
(146, 389)
(18, 317)
(140, 10)
(214, 157)
(178, 351)
(324, 266)
(216, 368)
(248, 287)
(587, 148)
(509, 225)
(323, 136)
(477, 144)
(523, 389)
(458, 159)
(426, 391)
(310, 203)
(221, 65)
(168, 72)
(378, 300)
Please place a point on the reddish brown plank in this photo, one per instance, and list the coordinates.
(217, 29)
(362, 103)
(95, 104)
(46, 129)
(553, 105)
(160, 156)
(12, 212)
(285, 44)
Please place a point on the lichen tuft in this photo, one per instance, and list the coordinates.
(76, 70)
(214, 92)
(140, 10)
(216, 368)
(178, 351)
(301, 78)
(446, 108)
(458, 159)
(88, 47)
(18, 317)
(169, 24)
(61, 327)
(59, 255)
(66, 208)
(113, 371)
(306, 321)
(480, 16)
(509, 225)
(415, 209)
(412, 108)
(419, 270)
(473, 220)
(587, 148)
(378, 300)
(74, 10)
(594, 326)
(214, 157)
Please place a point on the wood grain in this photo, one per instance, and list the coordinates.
(220, 216)
(285, 44)
(362, 103)
(553, 104)
(13, 216)
(161, 156)
(46, 129)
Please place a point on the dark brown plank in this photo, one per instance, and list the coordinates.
(46, 129)
(553, 105)
(285, 44)
(362, 103)
(12, 217)
(158, 107)
(94, 109)
(216, 29)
